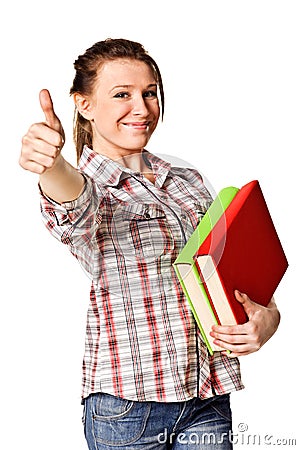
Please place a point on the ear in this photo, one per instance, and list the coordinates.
(83, 105)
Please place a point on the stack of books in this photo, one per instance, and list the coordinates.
(235, 246)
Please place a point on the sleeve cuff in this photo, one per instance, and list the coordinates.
(68, 212)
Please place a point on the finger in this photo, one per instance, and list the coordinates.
(39, 152)
(42, 159)
(46, 148)
(236, 349)
(237, 343)
(32, 166)
(239, 350)
(231, 338)
(30, 144)
(40, 133)
(249, 306)
(230, 354)
(36, 159)
(241, 297)
(47, 106)
(231, 329)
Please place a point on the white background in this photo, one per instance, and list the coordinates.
(231, 72)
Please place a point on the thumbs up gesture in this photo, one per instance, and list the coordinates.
(42, 144)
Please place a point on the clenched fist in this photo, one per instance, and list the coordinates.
(40, 154)
(43, 142)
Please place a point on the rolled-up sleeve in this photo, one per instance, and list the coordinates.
(74, 223)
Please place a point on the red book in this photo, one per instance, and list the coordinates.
(242, 252)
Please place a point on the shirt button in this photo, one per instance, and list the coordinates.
(183, 217)
(146, 212)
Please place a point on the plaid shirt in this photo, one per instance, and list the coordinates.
(141, 339)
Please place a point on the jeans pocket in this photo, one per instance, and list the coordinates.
(221, 405)
(83, 419)
(117, 421)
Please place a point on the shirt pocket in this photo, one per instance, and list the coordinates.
(191, 215)
(199, 210)
(142, 231)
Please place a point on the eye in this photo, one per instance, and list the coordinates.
(121, 95)
(149, 94)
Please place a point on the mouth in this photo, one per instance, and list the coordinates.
(137, 125)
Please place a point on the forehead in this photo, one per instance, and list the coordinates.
(125, 72)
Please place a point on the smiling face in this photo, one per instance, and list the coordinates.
(123, 108)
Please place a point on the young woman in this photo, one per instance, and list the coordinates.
(125, 214)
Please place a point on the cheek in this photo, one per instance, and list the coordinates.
(104, 119)
(110, 116)
(155, 110)
(156, 114)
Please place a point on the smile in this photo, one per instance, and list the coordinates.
(137, 125)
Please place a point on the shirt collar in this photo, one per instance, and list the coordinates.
(110, 172)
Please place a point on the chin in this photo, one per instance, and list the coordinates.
(135, 146)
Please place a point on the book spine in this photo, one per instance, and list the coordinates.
(238, 313)
(207, 293)
(203, 334)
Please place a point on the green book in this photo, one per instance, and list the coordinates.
(187, 271)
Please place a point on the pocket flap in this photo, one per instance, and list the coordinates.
(143, 211)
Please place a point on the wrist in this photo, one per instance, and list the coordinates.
(275, 314)
(62, 182)
(58, 167)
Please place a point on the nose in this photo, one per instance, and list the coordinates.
(139, 107)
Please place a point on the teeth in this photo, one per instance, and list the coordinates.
(137, 124)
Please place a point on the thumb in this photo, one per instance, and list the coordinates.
(248, 305)
(47, 106)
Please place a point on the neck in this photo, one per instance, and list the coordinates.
(134, 162)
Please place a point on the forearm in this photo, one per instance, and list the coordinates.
(62, 182)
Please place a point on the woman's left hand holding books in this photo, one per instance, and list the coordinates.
(252, 335)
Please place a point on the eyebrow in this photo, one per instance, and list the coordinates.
(127, 86)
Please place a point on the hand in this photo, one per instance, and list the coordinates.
(43, 142)
(251, 336)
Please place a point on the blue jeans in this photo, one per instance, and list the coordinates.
(113, 423)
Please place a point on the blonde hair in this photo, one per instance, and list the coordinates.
(87, 66)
